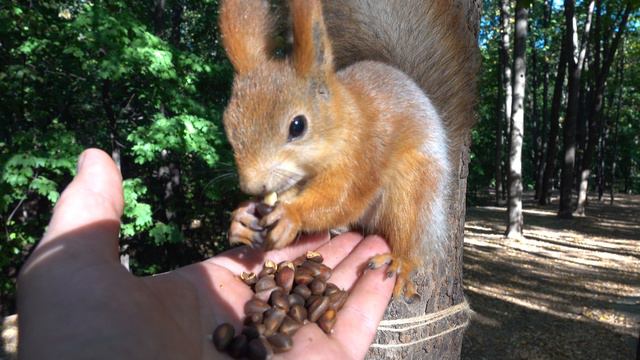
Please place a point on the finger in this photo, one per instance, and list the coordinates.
(244, 258)
(347, 272)
(362, 312)
(91, 206)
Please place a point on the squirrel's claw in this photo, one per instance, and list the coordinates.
(402, 270)
(245, 228)
(283, 227)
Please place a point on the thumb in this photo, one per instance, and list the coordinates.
(92, 205)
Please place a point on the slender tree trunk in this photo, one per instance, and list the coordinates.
(576, 63)
(554, 123)
(176, 21)
(569, 126)
(514, 206)
(158, 17)
(614, 156)
(535, 119)
(498, 150)
(545, 106)
(505, 59)
(595, 115)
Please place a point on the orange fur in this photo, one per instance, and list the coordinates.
(375, 151)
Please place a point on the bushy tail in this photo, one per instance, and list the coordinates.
(428, 40)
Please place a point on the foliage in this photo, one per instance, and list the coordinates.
(545, 41)
(146, 86)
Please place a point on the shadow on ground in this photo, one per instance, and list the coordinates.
(569, 290)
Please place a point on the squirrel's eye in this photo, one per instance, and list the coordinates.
(297, 127)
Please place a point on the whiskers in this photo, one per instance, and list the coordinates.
(284, 179)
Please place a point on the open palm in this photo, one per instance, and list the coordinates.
(76, 301)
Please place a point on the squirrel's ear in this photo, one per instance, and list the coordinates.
(311, 46)
(247, 29)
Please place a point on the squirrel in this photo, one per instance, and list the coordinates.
(342, 129)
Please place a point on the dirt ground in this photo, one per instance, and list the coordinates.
(569, 290)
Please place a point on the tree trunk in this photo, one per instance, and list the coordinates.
(535, 119)
(615, 123)
(545, 108)
(554, 125)
(176, 22)
(158, 17)
(499, 138)
(514, 205)
(455, 26)
(576, 63)
(595, 115)
(569, 126)
(505, 45)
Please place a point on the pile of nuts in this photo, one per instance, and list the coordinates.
(287, 296)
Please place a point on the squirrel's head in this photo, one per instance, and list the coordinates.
(279, 120)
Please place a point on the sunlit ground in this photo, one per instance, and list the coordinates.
(569, 290)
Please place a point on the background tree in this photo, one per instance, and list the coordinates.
(514, 209)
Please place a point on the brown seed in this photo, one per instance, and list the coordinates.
(302, 290)
(265, 295)
(284, 278)
(265, 283)
(317, 308)
(314, 256)
(272, 320)
(286, 264)
(337, 299)
(251, 331)
(223, 335)
(289, 326)
(318, 270)
(298, 261)
(327, 321)
(298, 313)
(249, 278)
(255, 306)
(295, 299)
(253, 319)
(270, 264)
(317, 287)
(238, 347)
(280, 342)
(266, 271)
(331, 288)
(311, 299)
(279, 299)
(259, 349)
(303, 276)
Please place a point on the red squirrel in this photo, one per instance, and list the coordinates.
(361, 146)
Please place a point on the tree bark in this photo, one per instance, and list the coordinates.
(545, 107)
(615, 125)
(554, 125)
(158, 17)
(595, 115)
(514, 205)
(505, 45)
(569, 126)
(453, 25)
(499, 139)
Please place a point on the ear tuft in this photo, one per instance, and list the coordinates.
(311, 47)
(247, 29)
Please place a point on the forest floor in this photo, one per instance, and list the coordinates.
(569, 290)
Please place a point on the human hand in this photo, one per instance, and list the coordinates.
(75, 300)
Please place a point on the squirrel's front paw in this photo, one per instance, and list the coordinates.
(284, 226)
(245, 226)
